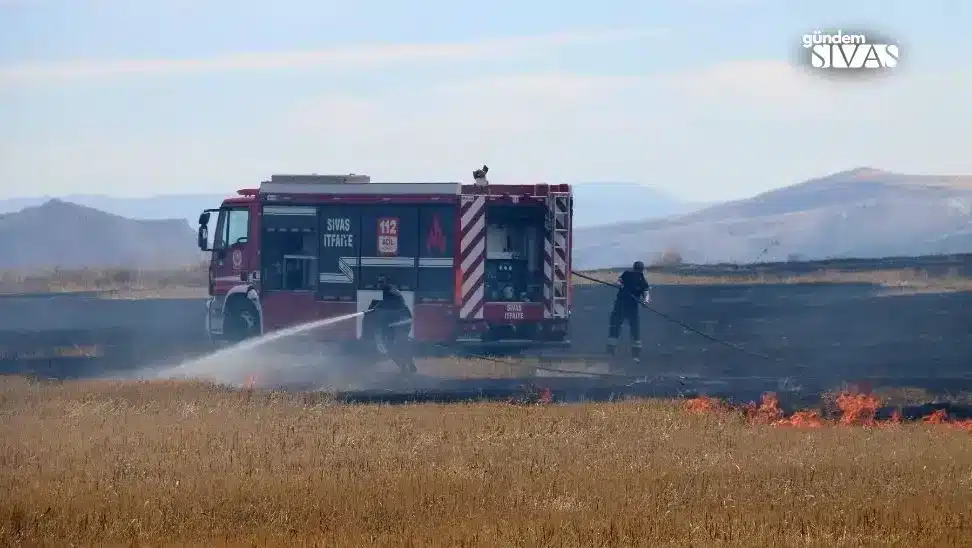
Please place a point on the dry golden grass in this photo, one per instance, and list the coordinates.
(896, 280)
(190, 282)
(188, 464)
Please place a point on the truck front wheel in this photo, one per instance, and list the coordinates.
(241, 319)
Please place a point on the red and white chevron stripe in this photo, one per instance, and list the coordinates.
(548, 269)
(472, 256)
(555, 266)
(560, 275)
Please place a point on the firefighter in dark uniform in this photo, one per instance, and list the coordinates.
(393, 322)
(632, 293)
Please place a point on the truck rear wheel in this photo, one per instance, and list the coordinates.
(241, 320)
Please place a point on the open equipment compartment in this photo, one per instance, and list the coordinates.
(289, 251)
(514, 253)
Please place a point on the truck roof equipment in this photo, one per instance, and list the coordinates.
(350, 184)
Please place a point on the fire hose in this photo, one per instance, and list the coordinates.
(633, 379)
(644, 305)
(641, 303)
(678, 322)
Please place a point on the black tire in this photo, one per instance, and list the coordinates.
(241, 320)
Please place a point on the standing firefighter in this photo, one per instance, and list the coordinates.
(393, 321)
(632, 293)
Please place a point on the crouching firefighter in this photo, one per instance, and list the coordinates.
(632, 293)
(392, 321)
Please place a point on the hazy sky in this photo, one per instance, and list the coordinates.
(140, 97)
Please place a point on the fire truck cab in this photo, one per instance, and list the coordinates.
(478, 264)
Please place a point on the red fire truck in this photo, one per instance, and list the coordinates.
(478, 264)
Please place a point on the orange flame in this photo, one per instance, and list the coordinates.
(768, 412)
(802, 419)
(855, 409)
(939, 416)
(964, 424)
(895, 420)
(703, 404)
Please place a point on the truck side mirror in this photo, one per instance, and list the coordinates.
(204, 218)
(202, 237)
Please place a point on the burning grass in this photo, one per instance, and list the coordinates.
(189, 463)
(845, 409)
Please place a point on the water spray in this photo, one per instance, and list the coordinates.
(214, 364)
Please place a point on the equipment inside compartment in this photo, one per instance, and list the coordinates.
(514, 253)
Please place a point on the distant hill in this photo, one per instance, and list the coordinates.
(859, 213)
(605, 203)
(166, 206)
(597, 204)
(67, 235)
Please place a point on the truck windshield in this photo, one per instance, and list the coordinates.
(233, 227)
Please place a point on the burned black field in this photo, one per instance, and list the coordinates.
(869, 322)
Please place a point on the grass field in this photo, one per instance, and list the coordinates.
(191, 281)
(88, 463)
(910, 280)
